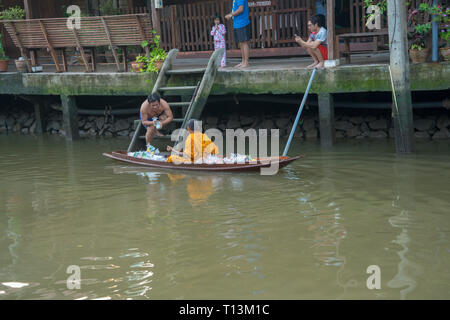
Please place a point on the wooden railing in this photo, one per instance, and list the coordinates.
(188, 26)
(358, 17)
(133, 10)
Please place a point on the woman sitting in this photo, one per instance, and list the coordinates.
(197, 146)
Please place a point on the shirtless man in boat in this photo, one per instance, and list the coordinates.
(155, 114)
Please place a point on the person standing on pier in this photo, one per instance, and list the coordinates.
(241, 26)
(155, 114)
(316, 45)
(218, 32)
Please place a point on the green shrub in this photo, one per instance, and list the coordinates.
(13, 13)
(156, 54)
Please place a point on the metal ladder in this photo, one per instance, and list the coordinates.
(199, 92)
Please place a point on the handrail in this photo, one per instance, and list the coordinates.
(82, 18)
(205, 86)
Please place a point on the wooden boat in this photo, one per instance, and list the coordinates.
(249, 166)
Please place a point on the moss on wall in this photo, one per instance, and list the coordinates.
(430, 76)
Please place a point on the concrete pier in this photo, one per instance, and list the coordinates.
(399, 62)
(262, 79)
(326, 120)
(70, 117)
(39, 117)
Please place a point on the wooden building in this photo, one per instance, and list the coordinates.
(186, 24)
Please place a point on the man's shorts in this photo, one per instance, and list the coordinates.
(324, 52)
(140, 118)
(242, 34)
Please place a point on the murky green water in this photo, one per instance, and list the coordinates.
(310, 232)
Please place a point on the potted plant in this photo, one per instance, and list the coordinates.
(4, 60)
(139, 64)
(153, 61)
(442, 17)
(157, 53)
(12, 13)
(418, 34)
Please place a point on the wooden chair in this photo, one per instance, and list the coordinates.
(54, 34)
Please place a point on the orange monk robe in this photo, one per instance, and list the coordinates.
(197, 146)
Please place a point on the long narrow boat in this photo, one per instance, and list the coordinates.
(249, 166)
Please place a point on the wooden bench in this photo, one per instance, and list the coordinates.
(54, 34)
(349, 36)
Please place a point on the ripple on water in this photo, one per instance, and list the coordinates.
(143, 236)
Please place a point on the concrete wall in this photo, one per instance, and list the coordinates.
(343, 79)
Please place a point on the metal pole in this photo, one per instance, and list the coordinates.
(435, 31)
(299, 113)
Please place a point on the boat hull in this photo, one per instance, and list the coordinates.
(122, 156)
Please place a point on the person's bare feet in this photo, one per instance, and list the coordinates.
(244, 66)
(320, 65)
(238, 66)
(312, 66)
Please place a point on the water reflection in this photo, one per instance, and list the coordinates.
(199, 186)
(408, 271)
(308, 232)
(326, 221)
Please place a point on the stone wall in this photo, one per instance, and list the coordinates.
(353, 124)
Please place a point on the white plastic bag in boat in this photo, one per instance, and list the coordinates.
(151, 156)
(159, 158)
(211, 159)
(240, 158)
(198, 161)
(229, 160)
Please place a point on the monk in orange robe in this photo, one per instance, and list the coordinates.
(197, 146)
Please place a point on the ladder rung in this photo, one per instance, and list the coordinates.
(167, 136)
(186, 71)
(186, 88)
(179, 104)
(136, 122)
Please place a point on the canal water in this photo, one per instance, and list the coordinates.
(310, 232)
